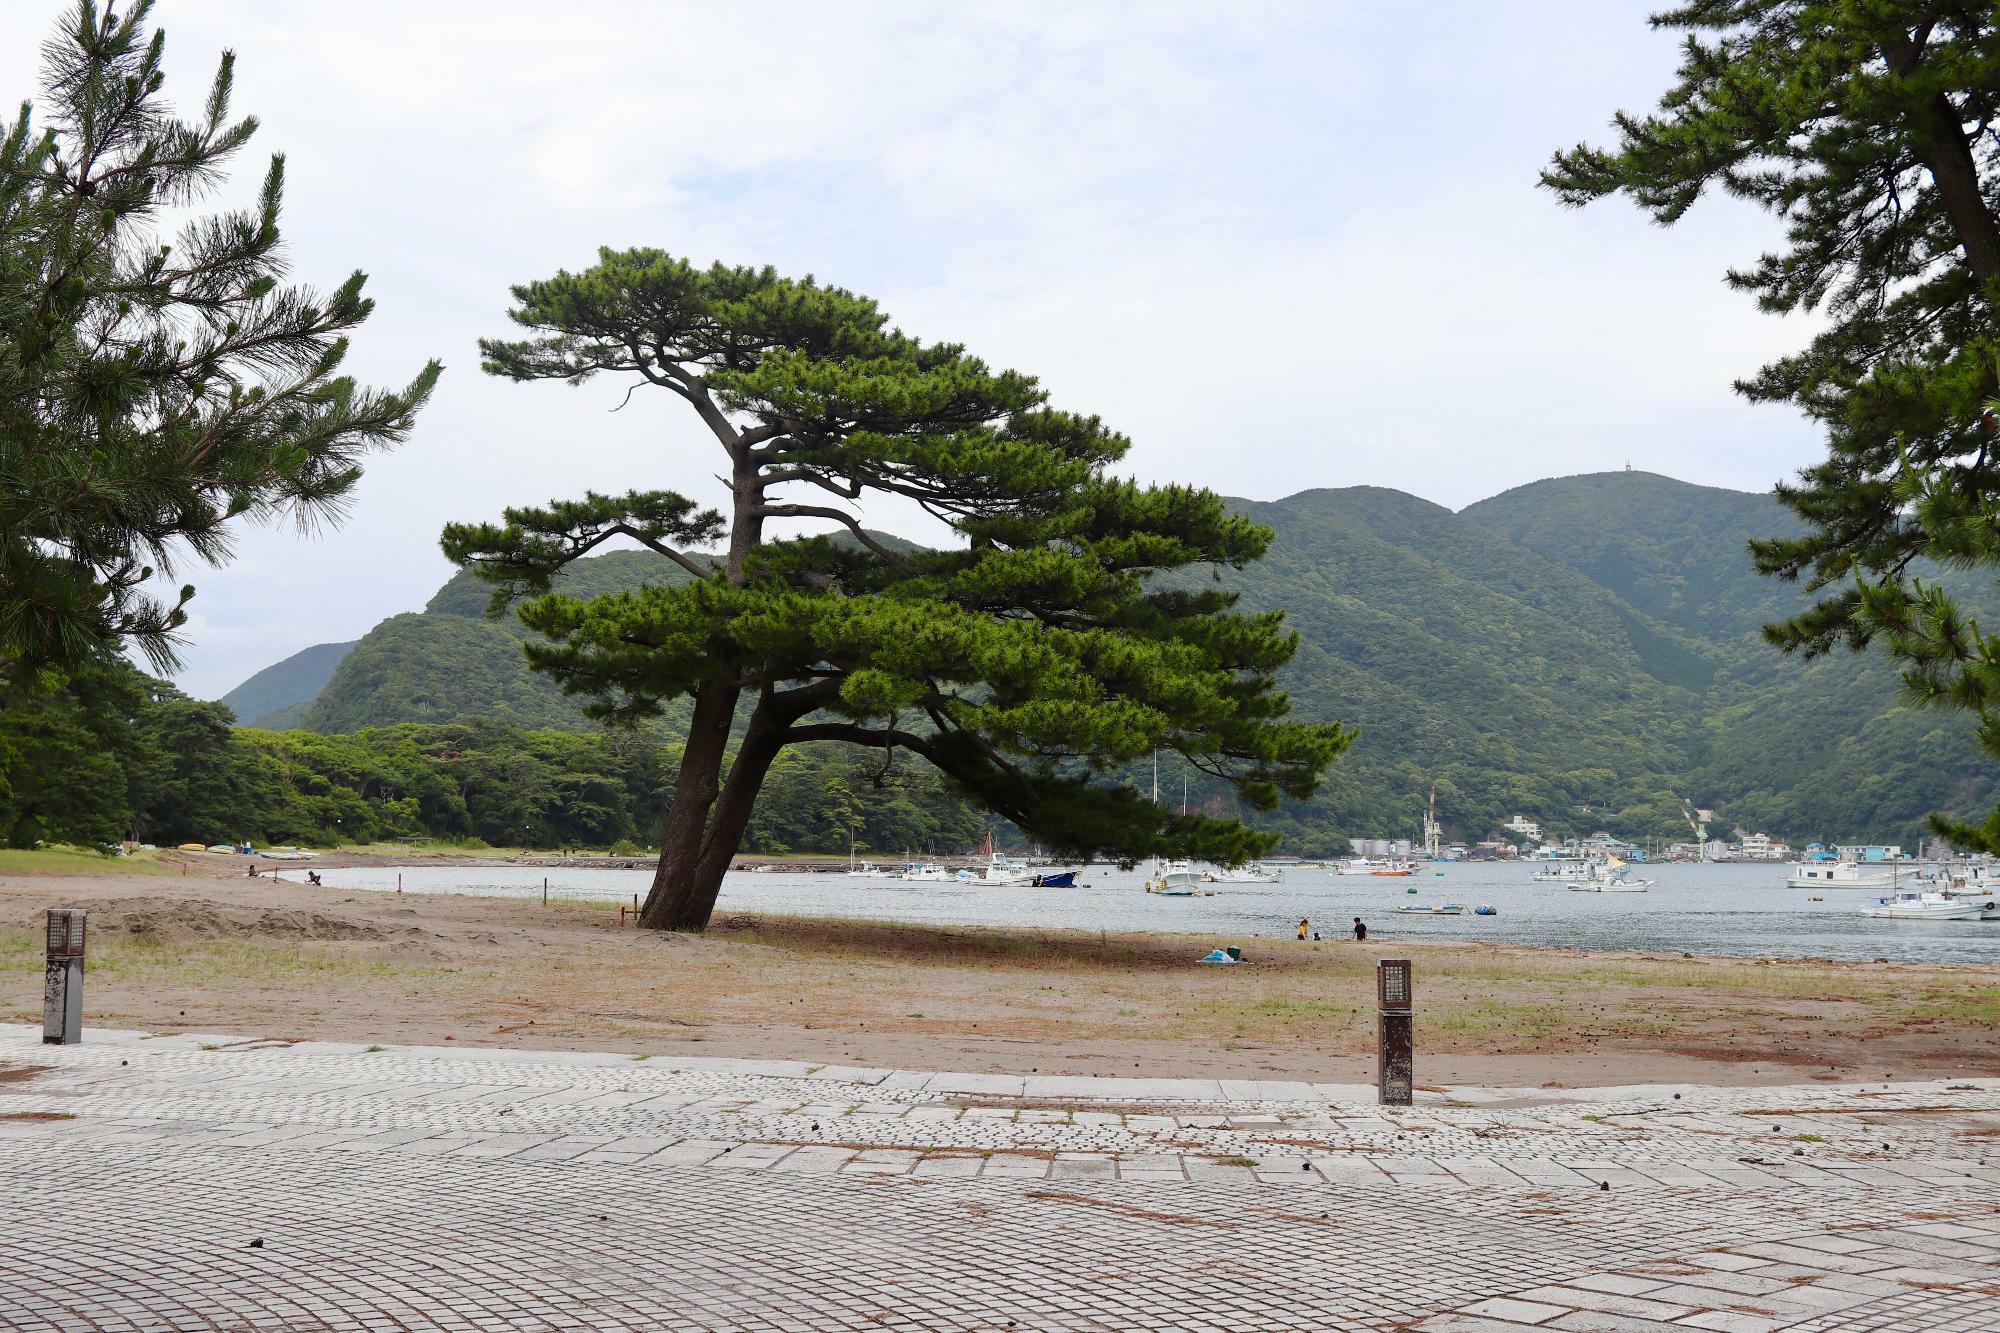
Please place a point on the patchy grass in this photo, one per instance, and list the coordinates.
(145, 958)
(67, 860)
(1973, 1003)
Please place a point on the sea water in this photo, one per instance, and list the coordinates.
(1736, 910)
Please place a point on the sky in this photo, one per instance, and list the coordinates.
(1280, 246)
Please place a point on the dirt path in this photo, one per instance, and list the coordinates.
(210, 950)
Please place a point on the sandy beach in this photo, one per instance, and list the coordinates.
(197, 946)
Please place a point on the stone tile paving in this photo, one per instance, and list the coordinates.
(423, 1188)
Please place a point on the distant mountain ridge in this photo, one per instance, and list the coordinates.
(1583, 650)
(278, 695)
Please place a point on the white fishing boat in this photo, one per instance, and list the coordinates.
(1925, 906)
(1612, 876)
(1364, 865)
(1562, 872)
(1253, 873)
(999, 869)
(1846, 875)
(926, 873)
(1431, 909)
(1177, 879)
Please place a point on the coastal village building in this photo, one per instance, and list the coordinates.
(1530, 829)
(1602, 843)
(1758, 847)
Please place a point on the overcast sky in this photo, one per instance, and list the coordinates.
(1280, 246)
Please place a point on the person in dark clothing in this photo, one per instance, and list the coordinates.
(1360, 929)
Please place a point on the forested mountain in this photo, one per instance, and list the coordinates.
(1583, 650)
(278, 695)
(451, 662)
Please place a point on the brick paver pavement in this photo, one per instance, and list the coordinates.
(218, 1183)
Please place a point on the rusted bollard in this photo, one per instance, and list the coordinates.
(1395, 1059)
(62, 979)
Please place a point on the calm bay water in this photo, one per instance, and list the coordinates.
(1740, 910)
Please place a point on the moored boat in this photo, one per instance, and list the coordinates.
(1431, 909)
(999, 869)
(1178, 879)
(1844, 875)
(1925, 906)
(1612, 876)
(1253, 873)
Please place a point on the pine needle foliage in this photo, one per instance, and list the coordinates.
(154, 385)
(1871, 129)
(1028, 661)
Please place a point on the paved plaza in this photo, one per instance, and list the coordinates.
(212, 1182)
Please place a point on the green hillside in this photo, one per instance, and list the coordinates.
(450, 662)
(1583, 650)
(1671, 550)
(279, 694)
(1788, 746)
(1509, 680)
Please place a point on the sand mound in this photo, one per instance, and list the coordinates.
(164, 919)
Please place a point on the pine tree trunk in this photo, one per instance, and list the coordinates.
(687, 814)
(700, 845)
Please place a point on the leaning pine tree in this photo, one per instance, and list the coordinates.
(1028, 661)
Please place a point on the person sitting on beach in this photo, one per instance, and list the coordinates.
(1360, 929)
(312, 877)
(1304, 929)
(252, 872)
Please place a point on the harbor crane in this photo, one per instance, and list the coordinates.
(1433, 835)
(1698, 821)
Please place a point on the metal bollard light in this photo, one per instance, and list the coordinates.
(62, 981)
(1395, 1061)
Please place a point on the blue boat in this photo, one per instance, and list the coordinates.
(1486, 909)
(1056, 879)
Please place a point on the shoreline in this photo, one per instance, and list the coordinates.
(220, 952)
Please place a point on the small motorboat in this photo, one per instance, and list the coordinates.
(1056, 879)
(1486, 909)
(1432, 909)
